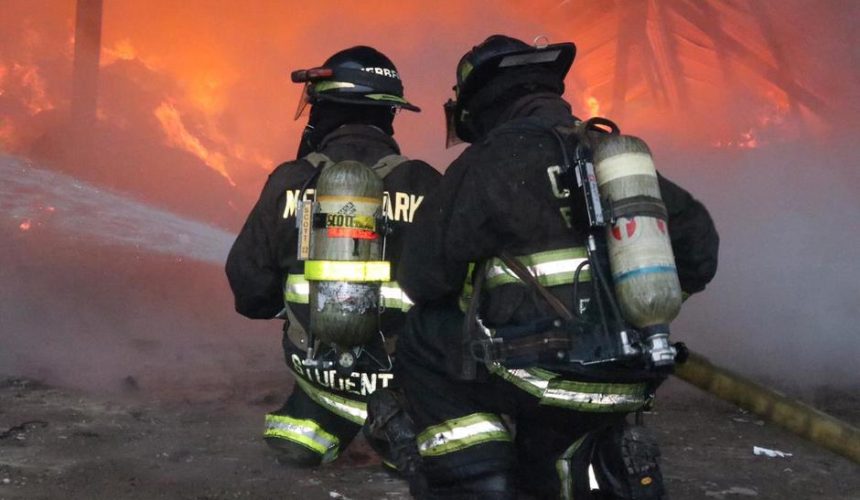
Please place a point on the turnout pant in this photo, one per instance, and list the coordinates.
(323, 413)
(532, 429)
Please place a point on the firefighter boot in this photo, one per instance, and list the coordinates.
(390, 431)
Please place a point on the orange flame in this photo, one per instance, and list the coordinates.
(36, 97)
(772, 115)
(179, 136)
(593, 106)
(223, 95)
(121, 51)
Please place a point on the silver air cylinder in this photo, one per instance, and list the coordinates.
(640, 251)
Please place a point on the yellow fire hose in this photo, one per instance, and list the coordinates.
(799, 418)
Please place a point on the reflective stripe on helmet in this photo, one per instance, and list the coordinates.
(333, 270)
(331, 85)
(386, 97)
(297, 290)
(576, 395)
(551, 268)
(304, 432)
(354, 411)
(459, 433)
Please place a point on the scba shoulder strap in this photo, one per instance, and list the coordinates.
(382, 167)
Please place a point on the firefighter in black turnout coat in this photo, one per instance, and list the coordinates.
(504, 195)
(353, 98)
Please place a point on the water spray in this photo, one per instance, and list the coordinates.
(36, 199)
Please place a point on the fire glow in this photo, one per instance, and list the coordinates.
(731, 73)
(29, 84)
(179, 136)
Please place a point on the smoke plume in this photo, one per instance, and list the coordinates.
(118, 274)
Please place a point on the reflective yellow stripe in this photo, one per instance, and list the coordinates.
(532, 380)
(468, 289)
(297, 290)
(583, 396)
(459, 433)
(354, 411)
(385, 97)
(333, 270)
(393, 297)
(564, 469)
(595, 396)
(304, 432)
(327, 85)
(551, 268)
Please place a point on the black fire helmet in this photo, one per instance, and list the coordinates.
(359, 75)
(489, 58)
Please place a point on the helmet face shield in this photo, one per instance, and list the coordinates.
(451, 137)
(304, 100)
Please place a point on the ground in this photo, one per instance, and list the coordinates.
(62, 443)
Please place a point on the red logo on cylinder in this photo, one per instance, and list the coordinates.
(630, 228)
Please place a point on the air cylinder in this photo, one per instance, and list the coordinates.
(344, 269)
(640, 251)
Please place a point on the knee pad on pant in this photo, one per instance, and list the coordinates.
(290, 453)
(626, 463)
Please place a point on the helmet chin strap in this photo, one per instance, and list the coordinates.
(305, 146)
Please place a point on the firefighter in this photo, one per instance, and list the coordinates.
(537, 425)
(353, 98)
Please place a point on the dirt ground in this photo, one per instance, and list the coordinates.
(57, 443)
(171, 387)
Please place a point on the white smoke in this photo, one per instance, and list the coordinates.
(784, 303)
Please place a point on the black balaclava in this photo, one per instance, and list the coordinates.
(326, 116)
(490, 105)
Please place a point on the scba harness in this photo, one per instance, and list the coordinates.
(597, 341)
